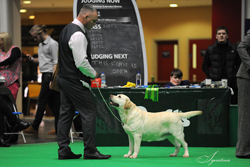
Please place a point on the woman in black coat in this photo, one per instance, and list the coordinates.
(243, 81)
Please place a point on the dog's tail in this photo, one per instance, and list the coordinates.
(190, 114)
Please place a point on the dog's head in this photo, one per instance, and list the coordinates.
(120, 101)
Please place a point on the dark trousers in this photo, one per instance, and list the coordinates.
(75, 97)
(6, 111)
(243, 142)
(46, 96)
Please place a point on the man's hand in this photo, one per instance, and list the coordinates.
(29, 57)
(50, 84)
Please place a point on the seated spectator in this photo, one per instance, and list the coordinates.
(176, 79)
(13, 120)
(10, 67)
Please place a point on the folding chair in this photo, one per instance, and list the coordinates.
(19, 132)
(6, 92)
(72, 129)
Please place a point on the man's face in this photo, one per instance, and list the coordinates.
(221, 36)
(37, 37)
(175, 80)
(91, 20)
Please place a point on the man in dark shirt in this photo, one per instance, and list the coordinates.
(221, 61)
(74, 80)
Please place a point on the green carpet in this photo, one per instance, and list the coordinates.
(45, 155)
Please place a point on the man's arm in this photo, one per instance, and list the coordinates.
(78, 44)
(54, 54)
(30, 58)
(243, 48)
(54, 69)
(206, 64)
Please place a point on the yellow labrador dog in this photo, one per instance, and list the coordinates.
(145, 126)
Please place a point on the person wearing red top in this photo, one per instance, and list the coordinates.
(10, 65)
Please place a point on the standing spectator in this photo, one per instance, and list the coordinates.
(47, 58)
(75, 72)
(221, 61)
(243, 80)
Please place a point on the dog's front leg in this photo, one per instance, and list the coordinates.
(137, 145)
(131, 146)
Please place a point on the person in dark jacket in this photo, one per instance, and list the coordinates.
(243, 80)
(176, 79)
(221, 61)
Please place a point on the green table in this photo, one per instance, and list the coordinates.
(209, 129)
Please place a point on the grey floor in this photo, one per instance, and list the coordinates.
(46, 126)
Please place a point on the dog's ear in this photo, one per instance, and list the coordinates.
(128, 104)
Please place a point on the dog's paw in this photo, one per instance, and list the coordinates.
(173, 155)
(133, 157)
(185, 155)
(126, 155)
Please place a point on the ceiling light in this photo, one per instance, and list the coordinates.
(23, 10)
(173, 5)
(31, 17)
(26, 2)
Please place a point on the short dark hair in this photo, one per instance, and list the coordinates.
(177, 72)
(222, 28)
(87, 7)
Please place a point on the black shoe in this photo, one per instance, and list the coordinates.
(70, 155)
(244, 156)
(96, 155)
(3, 143)
(23, 125)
